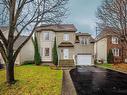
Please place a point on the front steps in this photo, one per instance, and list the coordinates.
(66, 63)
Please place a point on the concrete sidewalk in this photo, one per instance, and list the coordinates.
(67, 84)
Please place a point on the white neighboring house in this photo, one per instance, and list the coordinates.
(26, 53)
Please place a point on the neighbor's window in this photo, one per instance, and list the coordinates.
(46, 51)
(46, 36)
(114, 40)
(115, 51)
(66, 37)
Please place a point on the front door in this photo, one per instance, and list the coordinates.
(66, 53)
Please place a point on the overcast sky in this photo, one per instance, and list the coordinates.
(82, 14)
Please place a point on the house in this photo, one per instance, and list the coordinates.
(26, 53)
(73, 48)
(107, 40)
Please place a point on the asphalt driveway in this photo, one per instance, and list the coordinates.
(97, 81)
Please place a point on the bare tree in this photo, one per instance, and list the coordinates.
(113, 13)
(22, 16)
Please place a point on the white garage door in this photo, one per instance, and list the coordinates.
(84, 59)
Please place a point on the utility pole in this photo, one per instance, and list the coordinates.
(96, 42)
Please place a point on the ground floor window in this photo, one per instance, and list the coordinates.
(115, 51)
(46, 51)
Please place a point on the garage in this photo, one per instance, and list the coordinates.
(84, 59)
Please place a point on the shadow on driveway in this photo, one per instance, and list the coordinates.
(97, 81)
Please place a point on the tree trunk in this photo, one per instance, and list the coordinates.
(10, 73)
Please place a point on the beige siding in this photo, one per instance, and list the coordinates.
(60, 35)
(27, 52)
(85, 49)
(46, 44)
(60, 38)
(101, 49)
(71, 53)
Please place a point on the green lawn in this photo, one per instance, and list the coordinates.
(105, 65)
(33, 80)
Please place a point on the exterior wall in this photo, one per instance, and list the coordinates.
(85, 49)
(101, 49)
(59, 36)
(49, 44)
(27, 52)
(71, 53)
(122, 52)
(45, 44)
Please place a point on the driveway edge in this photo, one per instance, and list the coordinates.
(112, 69)
(67, 84)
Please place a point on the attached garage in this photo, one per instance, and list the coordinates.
(83, 59)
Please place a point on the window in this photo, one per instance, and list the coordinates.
(46, 51)
(46, 36)
(66, 37)
(114, 40)
(82, 41)
(115, 51)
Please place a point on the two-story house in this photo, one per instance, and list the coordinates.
(107, 40)
(65, 39)
(69, 51)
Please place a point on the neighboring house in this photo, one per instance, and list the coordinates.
(107, 40)
(69, 51)
(26, 53)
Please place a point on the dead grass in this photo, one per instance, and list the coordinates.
(121, 67)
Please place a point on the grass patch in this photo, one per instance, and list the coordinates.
(105, 65)
(33, 80)
(121, 67)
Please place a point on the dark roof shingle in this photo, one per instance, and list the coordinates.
(57, 27)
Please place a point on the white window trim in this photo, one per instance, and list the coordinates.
(45, 37)
(116, 51)
(115, 40)
(85, 41)
(66, 37)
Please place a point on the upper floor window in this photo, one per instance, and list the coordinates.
(84, 41)
(115, 51)
(46, 36)
(66, 37)
(115, 40)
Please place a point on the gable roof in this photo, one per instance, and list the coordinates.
(19, 41)
(82, 34)
(57, 27)
(108, 31)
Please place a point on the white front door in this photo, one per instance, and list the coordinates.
(66, 53)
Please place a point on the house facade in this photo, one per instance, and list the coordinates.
(71, 46)
(108, 40)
